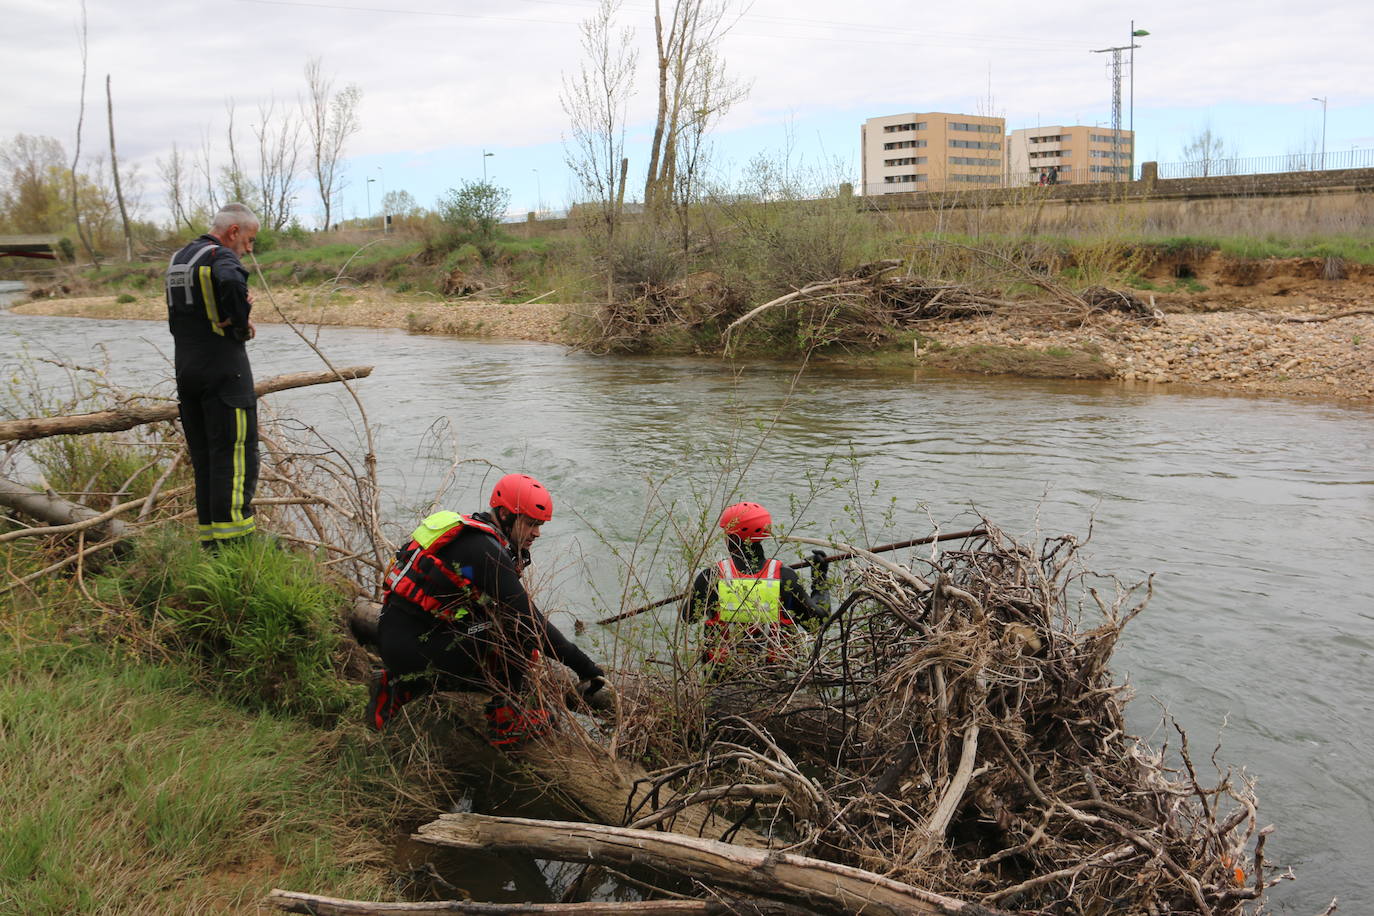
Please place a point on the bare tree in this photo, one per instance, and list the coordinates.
(279, 151)
(400, 204)
(176, 179)
(1207, 152)
(76, 155)
(234, 178)
(693, 88)
(114, 172)
(595, 101)
(331, 118)
(207, 174)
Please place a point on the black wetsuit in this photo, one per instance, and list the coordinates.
(490, 647)
(207, 284)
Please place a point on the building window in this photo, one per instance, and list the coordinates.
(904, 144)
(910, 125)
(903, 179)
(1050, 154)
(975, 128)
(972, 160)
(978, 179)
(1107, 154)
(975, 144)
(1113, 139)
(1050, 138)
(909, 160)
(1110, 169)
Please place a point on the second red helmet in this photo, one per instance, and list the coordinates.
(523, 495)
(749, 521)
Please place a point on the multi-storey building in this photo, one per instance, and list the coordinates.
(1069, 155)
(932, 151)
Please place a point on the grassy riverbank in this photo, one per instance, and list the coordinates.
(1255, 313)
(180, 732)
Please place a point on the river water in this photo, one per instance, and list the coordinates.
(1256, 515)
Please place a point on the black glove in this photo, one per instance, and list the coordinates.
(820, 568)
(592, 685)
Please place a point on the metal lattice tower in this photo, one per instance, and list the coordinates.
(1116, 104)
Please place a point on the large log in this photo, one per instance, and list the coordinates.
(572, 761)
(823, 886)
(121, 418)
(55, 510)
(291, 902)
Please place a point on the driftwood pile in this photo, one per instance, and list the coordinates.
(867, 306)
(960, 731)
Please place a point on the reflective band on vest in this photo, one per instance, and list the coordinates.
(417, 572)
(751, 600)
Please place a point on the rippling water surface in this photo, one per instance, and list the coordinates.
(1255, 514)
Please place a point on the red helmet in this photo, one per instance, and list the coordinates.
(748, 521)
(523, 495)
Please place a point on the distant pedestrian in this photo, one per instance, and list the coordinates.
(208, 312)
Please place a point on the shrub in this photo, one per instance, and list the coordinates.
(260, 621)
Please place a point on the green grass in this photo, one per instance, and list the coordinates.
(125, 789)
(262, 623)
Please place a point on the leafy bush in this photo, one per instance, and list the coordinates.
(474, 209)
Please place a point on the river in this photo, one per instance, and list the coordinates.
(1256, 514)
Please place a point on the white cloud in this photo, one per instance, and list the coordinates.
(482, 73)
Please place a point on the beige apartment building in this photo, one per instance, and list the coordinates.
(1069, 155)
(932, 151)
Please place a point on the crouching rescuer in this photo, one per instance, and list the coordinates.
(456, 616)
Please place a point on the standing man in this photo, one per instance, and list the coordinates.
(457, 617)
(750, 604)
(208, 311)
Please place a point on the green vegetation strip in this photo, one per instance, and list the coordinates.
(185, 745)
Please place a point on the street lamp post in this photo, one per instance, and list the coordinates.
(369, 197)
(1135, 33)
(383, 180)
(1323, 101)
(485, 156)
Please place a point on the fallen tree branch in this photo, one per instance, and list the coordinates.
(121, 418)
(822, 885)
(1310, 319)
(292, 902)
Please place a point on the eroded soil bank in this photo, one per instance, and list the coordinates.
(1274, 326)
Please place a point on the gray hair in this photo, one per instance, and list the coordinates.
(233, 215)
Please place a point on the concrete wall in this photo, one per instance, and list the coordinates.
(1287, 204)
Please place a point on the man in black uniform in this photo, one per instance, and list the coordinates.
(749, 603)
(208, 311)
(457, 617)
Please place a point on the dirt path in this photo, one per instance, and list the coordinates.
(1224, 328)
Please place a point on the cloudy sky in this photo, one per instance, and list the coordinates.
(445, 80)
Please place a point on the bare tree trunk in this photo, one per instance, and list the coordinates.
(291, 902)
(816, 883)
(108, 421)
(76, 156)
(53, 509)
(651, 179)
(114, 170)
